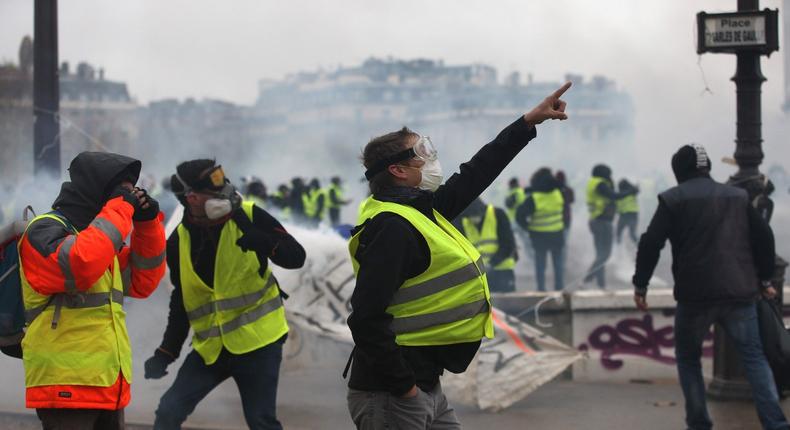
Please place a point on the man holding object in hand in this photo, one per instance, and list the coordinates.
(225, 291)
(76, 271)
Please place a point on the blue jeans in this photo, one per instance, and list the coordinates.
(256, 374)
(692, 323)
(545, 243)
(602, 239)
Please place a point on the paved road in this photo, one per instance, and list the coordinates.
(316, 400)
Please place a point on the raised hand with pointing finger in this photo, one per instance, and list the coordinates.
(552, 107)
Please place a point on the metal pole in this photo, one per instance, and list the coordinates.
(46, 90)
(729, 382)
(786, 32)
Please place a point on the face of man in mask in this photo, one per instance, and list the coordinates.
(418, 173)
(197, 203)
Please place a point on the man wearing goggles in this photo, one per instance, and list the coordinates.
(224, 290)
(421, 304)
(422, 151)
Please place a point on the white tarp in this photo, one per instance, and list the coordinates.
(507, 368)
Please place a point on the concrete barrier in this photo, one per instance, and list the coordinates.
(621, 343)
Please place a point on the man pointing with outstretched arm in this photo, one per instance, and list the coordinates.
(421, 302)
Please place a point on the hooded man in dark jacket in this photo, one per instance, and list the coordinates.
(722, 259)
(76, 270)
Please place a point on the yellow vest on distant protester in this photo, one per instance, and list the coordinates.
(486, 240)
(520, 196)
(449, 302)
(547, 217)
(628, 204)
(338, 192)
(243, 311)
(596, 203)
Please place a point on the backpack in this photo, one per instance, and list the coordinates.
(12, 309)
(776, 341)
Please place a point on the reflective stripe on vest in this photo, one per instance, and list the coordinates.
(232, 302)
(449, 303)
(520, 196)
(596, 203)
(243, 311)
(79, 338)
(486, 239)
(75, 301)
(627, 204)
(548, 212)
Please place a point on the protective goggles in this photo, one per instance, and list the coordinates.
(213, 180)
(422, 150)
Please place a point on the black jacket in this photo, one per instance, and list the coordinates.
(391, 250)
(721, 247)
(288, 254)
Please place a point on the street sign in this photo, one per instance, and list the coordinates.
(738, 31)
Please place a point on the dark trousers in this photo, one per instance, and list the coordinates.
(630, 221)
(692, 323)
(501, 281)
(380, 410)
(602, 238)
(81, 419)
(256, 374)
(334, 216)
(545, 243)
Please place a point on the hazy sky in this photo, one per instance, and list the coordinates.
(165, 48)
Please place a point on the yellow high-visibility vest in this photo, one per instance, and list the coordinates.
(449, 302)
(547, 217)
(338, 191)
(257, 200)
(244, 310)
(309, 203)
(76, 338)
(521, 196)
(628, 204)
(596, 203)
(486, 240)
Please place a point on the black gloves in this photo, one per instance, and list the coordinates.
(149, 213)
(253, 239)
(156, 366)
(127, 195)
(256, 240)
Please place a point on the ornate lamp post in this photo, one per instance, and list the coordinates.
(749, 34)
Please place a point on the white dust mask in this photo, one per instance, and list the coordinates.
(431, 175)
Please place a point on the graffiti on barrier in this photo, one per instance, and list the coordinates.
(637, 337)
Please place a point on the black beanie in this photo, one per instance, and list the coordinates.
(189, 172)
(690, 161)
